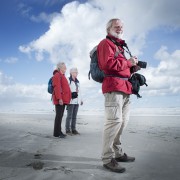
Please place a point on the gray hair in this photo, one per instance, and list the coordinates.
(110, 22)
(73, 70)
(60, 65)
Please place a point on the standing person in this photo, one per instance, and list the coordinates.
(61, 97)
(116, 89)
(72, 108)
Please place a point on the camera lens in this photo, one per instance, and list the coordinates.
(142, 64)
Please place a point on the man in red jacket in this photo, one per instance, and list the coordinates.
(116, 89)
(61, 97)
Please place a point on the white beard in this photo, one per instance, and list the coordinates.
(120, 36)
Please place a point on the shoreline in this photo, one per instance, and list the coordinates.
(101, 115)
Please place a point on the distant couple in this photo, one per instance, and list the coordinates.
(66, 94)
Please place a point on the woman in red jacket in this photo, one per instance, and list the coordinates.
(61, 97)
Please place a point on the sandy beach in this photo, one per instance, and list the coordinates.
(28, 151)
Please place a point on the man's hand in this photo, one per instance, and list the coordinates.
(133, 60)
(60, 101)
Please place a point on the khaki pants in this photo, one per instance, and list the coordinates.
(117, 116)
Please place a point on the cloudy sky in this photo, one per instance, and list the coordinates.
(35, 35)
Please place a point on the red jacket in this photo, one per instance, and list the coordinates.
(61, 88)
(116, 65)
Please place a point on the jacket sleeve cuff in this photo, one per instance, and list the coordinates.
(129, 64)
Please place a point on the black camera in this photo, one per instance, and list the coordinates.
(142, 64)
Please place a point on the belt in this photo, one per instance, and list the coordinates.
(106, 75)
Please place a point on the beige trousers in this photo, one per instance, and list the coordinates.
(117, 116)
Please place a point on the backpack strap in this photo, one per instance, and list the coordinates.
(121, 45)
(92, 51)
(118, 51)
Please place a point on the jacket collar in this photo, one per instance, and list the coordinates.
(71, 79)
(56, 71)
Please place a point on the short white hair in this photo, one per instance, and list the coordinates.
(60, 65)
(73, 70)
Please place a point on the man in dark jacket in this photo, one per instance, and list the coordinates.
(61, 97)
(116, 89)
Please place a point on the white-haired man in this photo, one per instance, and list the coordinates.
(116, 89)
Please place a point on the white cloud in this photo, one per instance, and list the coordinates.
(79, 27)
(70, 37)
(43, 17)
(24, 9)
(12, 93)
(5, 80)
(164, 79)
(13, 90)
(11, 60)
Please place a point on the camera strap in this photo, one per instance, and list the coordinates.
(121, 45)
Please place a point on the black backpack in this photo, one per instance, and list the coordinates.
(95, 72)
(137, 80)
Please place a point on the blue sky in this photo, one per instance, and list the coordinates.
(35, 35)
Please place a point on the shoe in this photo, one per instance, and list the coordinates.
(62, 135)
(75, 132)
(69, 132)
(114, 166)
(125, 158)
